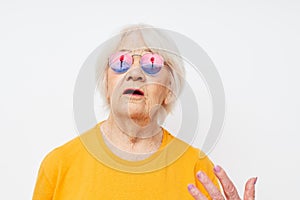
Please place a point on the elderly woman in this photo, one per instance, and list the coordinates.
(129, 155)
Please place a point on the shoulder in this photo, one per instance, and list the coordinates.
(189, 152)
(68, 152)
(59, 154)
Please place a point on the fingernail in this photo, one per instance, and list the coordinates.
(255, 180)
(190, 186)
(217, 168)
(200, 175)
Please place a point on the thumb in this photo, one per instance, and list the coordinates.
(249, 193)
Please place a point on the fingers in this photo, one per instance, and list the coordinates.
(227, 185)
(209, 186)
(249, 193)
(193, 190)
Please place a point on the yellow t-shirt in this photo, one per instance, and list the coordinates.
(85, 169)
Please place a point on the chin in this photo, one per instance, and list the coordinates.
(137, 113)
(130, 109)
(142, 122)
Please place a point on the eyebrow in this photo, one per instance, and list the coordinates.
(124, 50)
(147, 49)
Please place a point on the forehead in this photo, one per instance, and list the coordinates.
(131, 41)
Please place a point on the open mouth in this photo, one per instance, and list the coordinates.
(134, 92)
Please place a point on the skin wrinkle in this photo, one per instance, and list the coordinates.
(209, 186)
(130, 138)
(227, 185)
(155, 94)
(130, 154)
(136, 38)
(133, 132)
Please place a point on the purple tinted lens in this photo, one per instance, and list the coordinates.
(152, 63)
(120, 62)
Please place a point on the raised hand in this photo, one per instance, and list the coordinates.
(230, 192)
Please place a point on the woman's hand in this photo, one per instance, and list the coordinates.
(228, 187)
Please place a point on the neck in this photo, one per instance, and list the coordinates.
(125, 135)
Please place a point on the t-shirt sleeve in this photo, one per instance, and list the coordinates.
(46, 179)
(205, 165)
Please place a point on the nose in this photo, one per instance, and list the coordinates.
(135, 72)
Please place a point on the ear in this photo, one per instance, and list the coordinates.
(107, 95)
(169, 98)
(105, 82)
(107, 99)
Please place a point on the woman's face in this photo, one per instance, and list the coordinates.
(135, 93)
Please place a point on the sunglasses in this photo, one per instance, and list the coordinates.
(151, 63)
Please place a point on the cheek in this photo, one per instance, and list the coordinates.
(112, 81)
(157, 93)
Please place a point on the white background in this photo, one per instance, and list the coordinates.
(255, 46)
